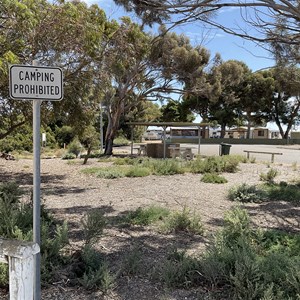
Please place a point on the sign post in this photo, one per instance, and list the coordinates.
(36, 83)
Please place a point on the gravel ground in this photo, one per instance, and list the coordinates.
(69, 194)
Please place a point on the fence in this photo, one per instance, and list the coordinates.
(20, 257)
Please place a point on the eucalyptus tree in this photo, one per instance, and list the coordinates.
(254, 93)
(214, 96)
(275, 22)
(140, 67)
(69, 35)
(176, 111)
(283, 105)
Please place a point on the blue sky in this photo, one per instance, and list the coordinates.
(215, 40)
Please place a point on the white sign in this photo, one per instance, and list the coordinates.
(32, 82)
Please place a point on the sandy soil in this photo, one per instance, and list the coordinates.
(69, 194)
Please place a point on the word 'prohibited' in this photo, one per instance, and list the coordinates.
(32, 82)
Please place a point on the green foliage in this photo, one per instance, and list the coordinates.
(132, 262)
(268, 192)
(283, 192)
(97, 274)
(64, 135)
(110, 173)
(137, 171)
(215, 164)
(93, 223)
(269, 176)
(16, 223)
(21, 140)
(75, 147)
(213, 178)
(68, 156)
(121, 141)
(4, 275)
(180, 270)
(183, 221)
(146, 216)
(252, 264)
(120, 161)
(246, 193)
(167, 167)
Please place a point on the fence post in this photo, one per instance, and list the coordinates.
(19, 255)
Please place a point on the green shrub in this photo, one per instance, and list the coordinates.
(124, 161)
(180, 271)
(64, 135)
(183, 221)
(93, 223)
(16, 223)
(252, 264)
(121, 141)
(110, 173)
(246, 193)
(137, 171)
(132, 262)
(75, 147)
(269, 176)
(96, 274)
(69, 156)
(213, 178)
(146, 216)
(167, 167)
(283, 192)
(215, 164)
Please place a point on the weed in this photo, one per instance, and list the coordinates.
(146, 216)
(69, 156)
(93, 224)
(96, 274)
(180, 270)
(137, 171)
(183, 221)
(132, 262)
(111, 173)
(269, 176)
(213, 178)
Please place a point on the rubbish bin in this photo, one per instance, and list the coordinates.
(224, 149)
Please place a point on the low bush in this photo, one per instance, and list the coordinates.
(183, 221)
(132, 262)
(180, 270)
(267, 192)
(93, 224)
(75, 147)
(246, 193)
(215, 164)
(146, 216)
(213, 178)
(167, 167)
(269, 176)
(69, 156)
(110, 173)
(16, 219)
(96, 273)
(137, 171)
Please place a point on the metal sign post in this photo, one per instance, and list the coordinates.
(36, 83)
(36, 105)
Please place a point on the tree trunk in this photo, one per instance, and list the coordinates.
(223, 130)
(112, 128)
(89, 150)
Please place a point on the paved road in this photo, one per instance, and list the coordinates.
(290, 154)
